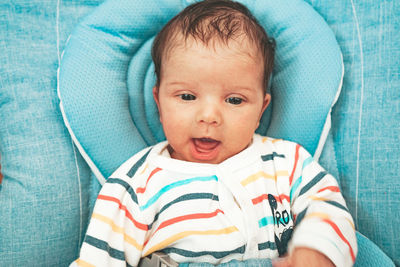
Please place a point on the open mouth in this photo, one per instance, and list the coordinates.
(205, 149)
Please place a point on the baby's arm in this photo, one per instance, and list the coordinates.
(116, 233)
(324, 229)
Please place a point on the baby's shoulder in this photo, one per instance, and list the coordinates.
(282, 147)
(136, 171)
(129, 168)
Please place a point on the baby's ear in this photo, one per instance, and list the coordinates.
(156, 99)
(266, 101)
(155, 96)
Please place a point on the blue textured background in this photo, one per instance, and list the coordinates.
(44, 197)
(366, 119)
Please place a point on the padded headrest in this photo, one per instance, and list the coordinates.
(106, 77)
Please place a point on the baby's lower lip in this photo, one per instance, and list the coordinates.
(205, 149)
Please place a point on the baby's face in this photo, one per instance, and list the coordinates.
(210, 100)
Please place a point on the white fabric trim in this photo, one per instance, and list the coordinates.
(88, 160)
(328, 122)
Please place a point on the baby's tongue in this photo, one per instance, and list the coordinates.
(205, 144)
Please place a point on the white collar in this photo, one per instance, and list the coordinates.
(160, 156)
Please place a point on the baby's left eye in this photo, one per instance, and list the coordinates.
(234, 100)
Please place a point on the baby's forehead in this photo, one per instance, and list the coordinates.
(242, 46)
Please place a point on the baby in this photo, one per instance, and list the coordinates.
(215, 191)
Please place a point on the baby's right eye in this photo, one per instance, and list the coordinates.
(187, 97)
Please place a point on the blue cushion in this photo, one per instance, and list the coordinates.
(369, 254)
(366, 118)
(106, 77)
(45, 192)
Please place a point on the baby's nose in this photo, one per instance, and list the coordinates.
(210, 114)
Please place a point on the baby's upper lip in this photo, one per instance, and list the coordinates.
(206, 139)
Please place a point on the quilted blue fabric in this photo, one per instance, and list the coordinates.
(48, 190)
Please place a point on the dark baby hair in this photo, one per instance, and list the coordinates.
(212, 20)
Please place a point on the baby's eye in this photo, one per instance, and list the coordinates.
(234, 100)
(187, 97)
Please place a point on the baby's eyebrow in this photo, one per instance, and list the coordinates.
(178, 86)
(180, 83)
(227, 88)
(173, 83)
(242, 88)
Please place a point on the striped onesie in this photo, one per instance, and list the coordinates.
(260, 203)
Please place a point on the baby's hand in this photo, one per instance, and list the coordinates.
(304, 257)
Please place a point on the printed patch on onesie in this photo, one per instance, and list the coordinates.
(283, 225)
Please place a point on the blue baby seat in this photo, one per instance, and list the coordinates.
(106, 79)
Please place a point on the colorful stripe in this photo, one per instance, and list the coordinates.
(144, 169)
(331, 202)
(313, 182)
(139, 163)
(297, 183)
(194, 254)
(193, 216)
(266, 221)
(122, 207)
(102, 245)
(186, 197)
(272, 140)
(264, 139)
(117, 229)
(307, 161)
(265, 197)
(296, 159)
(318, 198)
(169, 187)
(301, 216)
(326, 218)
(141, 190)
(271, 156)
(83, 263)
(262, 174)
(125, 185)
(330, 188)
(184, 234)
(322, 215)
(337, 204)
(267, 245)
(340, 234)
(294, 187)
(271, 220)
